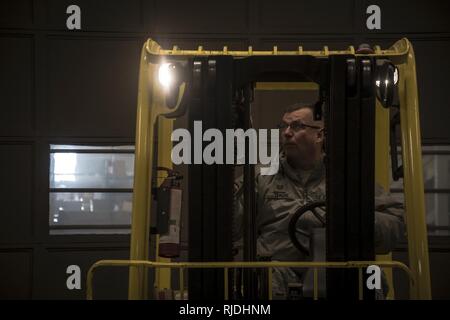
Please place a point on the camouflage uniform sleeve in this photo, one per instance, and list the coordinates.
(389, 221)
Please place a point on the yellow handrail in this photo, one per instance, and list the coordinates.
(226, 265)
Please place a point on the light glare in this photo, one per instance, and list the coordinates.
(165, 76)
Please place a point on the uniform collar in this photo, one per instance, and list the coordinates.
(316, 174)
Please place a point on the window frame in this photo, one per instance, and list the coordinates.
(436, 242)
(88, 148)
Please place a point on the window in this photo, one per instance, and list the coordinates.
(91, 189)
(436, 172)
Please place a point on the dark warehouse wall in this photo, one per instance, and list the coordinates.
(63, 86)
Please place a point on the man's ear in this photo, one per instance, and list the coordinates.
(320, 135)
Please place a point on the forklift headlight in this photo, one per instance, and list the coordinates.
(386, 79)
(166, 75)
(171, 75)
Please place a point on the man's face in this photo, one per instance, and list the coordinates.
(301, 143)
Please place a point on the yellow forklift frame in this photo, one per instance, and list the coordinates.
(152, 107)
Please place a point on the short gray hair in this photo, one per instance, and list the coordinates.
(299, 106)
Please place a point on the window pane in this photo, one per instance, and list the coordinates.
(85, 230)
(84, 147)
(438, 231)
(91, 170)
(436, 168)
(437, 210)
(90, 209)
(436, 171)
(436, 149)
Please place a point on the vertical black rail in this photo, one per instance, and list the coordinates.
(353, 175)
(210, 185)
(195, 236)
(367, 182)
(250, 283)
(225, 172)
(350, 172)
(336, 122)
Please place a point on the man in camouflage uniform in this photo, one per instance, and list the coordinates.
(299, 181)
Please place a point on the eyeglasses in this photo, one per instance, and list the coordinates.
(296, 126)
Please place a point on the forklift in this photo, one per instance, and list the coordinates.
(364, 95)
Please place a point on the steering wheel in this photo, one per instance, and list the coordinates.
(293, 231)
